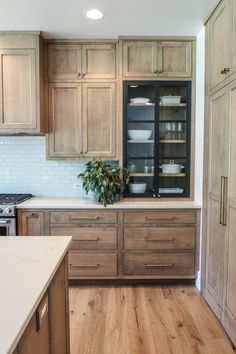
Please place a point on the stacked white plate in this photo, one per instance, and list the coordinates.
(139, 100)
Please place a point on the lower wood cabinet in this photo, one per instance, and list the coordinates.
(90, 264)
(48, 329)
(36, 336)
(124, 244)
(159, 264)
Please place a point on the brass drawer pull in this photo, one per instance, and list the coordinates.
(149, 218)
(162, 240)
(159, 265)
(86, 239)
(84, 265)
(88, 219)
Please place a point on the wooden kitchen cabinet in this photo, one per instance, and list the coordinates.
(31, 223)
(82, 61)
(36, 336)
(219, 51)
(82, 120)
(48, 329)
(99, 120)
(157, 59)
(160, 243)
(22, 84)
(65, 120)
(128, 244)
(219, 197)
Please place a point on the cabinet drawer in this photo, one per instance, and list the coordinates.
(169, 264)
(88, 238)
(159, 238)
(92, 264)
(160, 217)
(77, 217)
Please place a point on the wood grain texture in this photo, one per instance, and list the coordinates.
(144, 320)
(31, 223)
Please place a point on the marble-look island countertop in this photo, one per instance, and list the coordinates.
(27, 266)
(85, 203)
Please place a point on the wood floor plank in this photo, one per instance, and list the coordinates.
(144, 320)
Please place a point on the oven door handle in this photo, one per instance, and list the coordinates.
(4, 222)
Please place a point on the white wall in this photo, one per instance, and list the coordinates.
(200, 87)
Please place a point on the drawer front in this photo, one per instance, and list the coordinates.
(92, 264)
(88, 238)
(84, 217)
(160, 217)
(159, 238)
(169, 264)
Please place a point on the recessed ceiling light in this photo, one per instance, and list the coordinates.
(94, 14)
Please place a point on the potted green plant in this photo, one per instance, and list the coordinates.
(105, 181)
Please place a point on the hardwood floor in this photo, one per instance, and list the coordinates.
(144, 320)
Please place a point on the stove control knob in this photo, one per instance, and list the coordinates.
(1, 210)
(8, 210)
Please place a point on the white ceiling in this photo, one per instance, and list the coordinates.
(65, 19)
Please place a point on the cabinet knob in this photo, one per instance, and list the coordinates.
(83, 74)
(157, 71)
(225, 71)
(78, 75)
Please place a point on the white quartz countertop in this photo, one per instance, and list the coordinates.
(84, 203)
(27, 266)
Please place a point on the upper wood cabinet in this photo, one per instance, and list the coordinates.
(22, 84)
(82, 61)
(82, 120)
(65, 120)
(219, 51)
(157, 59)
(99, 120)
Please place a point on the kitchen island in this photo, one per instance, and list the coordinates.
(33, 281)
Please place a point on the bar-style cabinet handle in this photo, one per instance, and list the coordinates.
(161, 240)
(86, 239)
(159, 265)
(84, 265)
(88, 218)
(41, 314)
(149, 218)
(223, 200)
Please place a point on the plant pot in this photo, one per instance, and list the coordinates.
(92, 196)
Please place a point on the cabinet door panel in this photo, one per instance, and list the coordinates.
(229, 317)
(174, 59)
(99, 61)
(64, 62)
(99, 115)
(139, 58)
(17, 89)
(31, 223)
(218, 129)
(36, 339)
(219, 48)
(65, 123)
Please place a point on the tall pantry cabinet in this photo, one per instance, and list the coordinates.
(219, 197)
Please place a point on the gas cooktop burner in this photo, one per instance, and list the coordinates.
(7, 199)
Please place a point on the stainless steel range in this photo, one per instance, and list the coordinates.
(8, 204)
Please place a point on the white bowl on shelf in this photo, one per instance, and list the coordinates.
(139, 134)
(137, 187)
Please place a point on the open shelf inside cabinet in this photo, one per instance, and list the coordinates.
(169, 141)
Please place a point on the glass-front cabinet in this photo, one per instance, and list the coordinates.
(157, 134)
